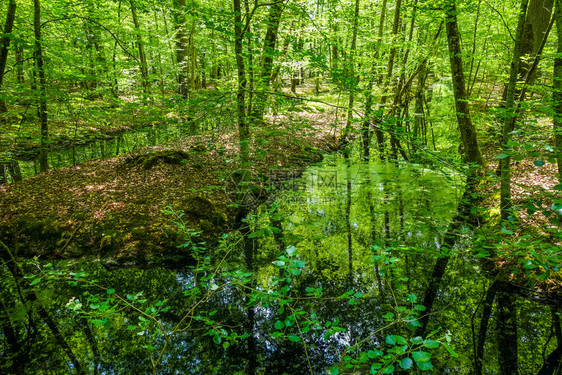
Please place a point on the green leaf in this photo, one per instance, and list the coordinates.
(299, 263)
(390, 340)
(291, 250)
(99, 322)
(276, 334)
(110, 291)
(35, 281)
(406, 363)
(426, 366)
(544, 275)
(538, 163)
(431, 344)
(506, 231)
(421, 356)
(225, 344)
(334, 371)
(400, 340)
(416, 340)
(388, 370)
(279, 263)
(294, 338)
(419, 307)
(412, 298)
(388, 316)
(450, 350)
(502, 156)
(558, 187)
(279, 324)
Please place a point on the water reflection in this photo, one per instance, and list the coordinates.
(61, 156)
(373, 228)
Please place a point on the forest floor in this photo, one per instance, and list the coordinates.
(113, 210)
(527, 249)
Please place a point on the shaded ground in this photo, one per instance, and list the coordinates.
(112, 210)
(528, 249)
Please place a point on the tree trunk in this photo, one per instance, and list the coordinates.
(4, 44)
(140, 46)
(510, 115)
(557, 91)
(41, 88)
(270, 40)
(507, 333)
(243, 128)
(182, 42)
(352, 80)
(535, 29)
(483, 331)
(466, 127)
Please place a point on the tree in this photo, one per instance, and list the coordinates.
(268, 54)
(140, 46)
(557, 90)
(41, 88)
(466, 127)
(4, 45)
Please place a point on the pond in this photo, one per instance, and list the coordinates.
(334, 270)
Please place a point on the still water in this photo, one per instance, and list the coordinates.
(330, 279)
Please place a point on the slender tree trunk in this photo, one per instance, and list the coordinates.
(4, 44)
(192, 56)
(18, 52)
(182, 42)
(352, 80)
(348, 219)
(464, 217)
(251, 67)
(466, 127)
(473, 53)
(243, 128)
(277, 69)
(483, 331)
(140, 46)
(557, 89)
(15, 171)
(268, 54)
(507, 333)
(41, 88)
(334, 49)
(510, 115)
(14, 351)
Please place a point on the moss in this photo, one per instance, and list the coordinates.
(197, 205)
(199, 148)
(206, 226)
(139, 233)
(149, 160)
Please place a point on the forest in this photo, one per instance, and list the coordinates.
(281, 187)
